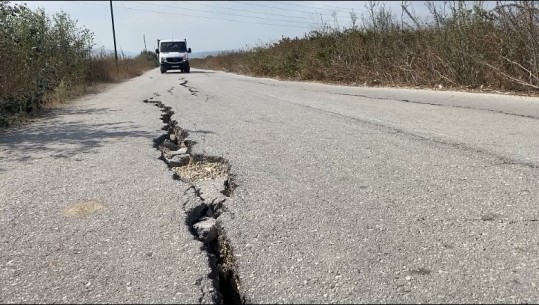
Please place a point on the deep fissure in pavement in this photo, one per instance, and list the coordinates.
(203, 210)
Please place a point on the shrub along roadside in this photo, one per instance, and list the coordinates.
(102, 66)
(465, 45)
(47, 59)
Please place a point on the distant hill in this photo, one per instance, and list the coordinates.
(208, 53)
(131, 54)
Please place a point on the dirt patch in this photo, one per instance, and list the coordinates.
(83, 208)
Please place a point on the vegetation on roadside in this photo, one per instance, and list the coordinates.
(102, 66)
(47, 59)
(461, 44)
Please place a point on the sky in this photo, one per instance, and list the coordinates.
(208, 25)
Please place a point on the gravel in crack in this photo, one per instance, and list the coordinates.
(202, 170)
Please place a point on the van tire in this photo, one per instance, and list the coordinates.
(163, 70)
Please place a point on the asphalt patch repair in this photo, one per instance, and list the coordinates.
(210, 185)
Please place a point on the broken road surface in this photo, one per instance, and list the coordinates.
(162, 187)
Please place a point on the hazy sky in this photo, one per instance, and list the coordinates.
(207, 25)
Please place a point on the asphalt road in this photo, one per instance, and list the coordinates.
(345, 195)
(88, 214)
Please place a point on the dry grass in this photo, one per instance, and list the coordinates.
(102, 68)
(465, 46)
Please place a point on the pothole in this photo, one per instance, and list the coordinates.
(211, 184)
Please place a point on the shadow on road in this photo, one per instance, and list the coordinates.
(56, 138)
(192, 72)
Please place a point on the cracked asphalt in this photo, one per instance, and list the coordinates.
(345, 195)
(89, 214)
(361, 195)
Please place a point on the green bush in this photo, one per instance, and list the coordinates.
(37, 53)
(149, 56)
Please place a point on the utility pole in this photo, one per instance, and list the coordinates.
(403, 3)
(144, 37)
(114, 37)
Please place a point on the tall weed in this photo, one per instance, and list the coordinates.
(463, 45)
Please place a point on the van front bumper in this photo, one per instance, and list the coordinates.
(175, 65)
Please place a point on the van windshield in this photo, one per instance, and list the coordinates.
(173, 46)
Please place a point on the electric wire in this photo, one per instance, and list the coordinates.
(247, 11)
(212, 12)
(337, 7)
(195, 16)
(310, 7)
(280, 8)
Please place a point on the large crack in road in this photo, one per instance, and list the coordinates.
(210, 185)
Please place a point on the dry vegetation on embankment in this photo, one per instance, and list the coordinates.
(464, 45)
(47, 59)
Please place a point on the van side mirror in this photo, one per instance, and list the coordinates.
(189, 50)
(156, 51)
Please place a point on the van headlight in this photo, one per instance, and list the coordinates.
(163, 59)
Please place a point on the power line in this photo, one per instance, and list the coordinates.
(227, 14)
(336, 7)
(205, 17)
(310, 7)
(280, 8)
(128, 15)
(248, 11)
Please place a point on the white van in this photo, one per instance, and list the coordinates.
(173, 55)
